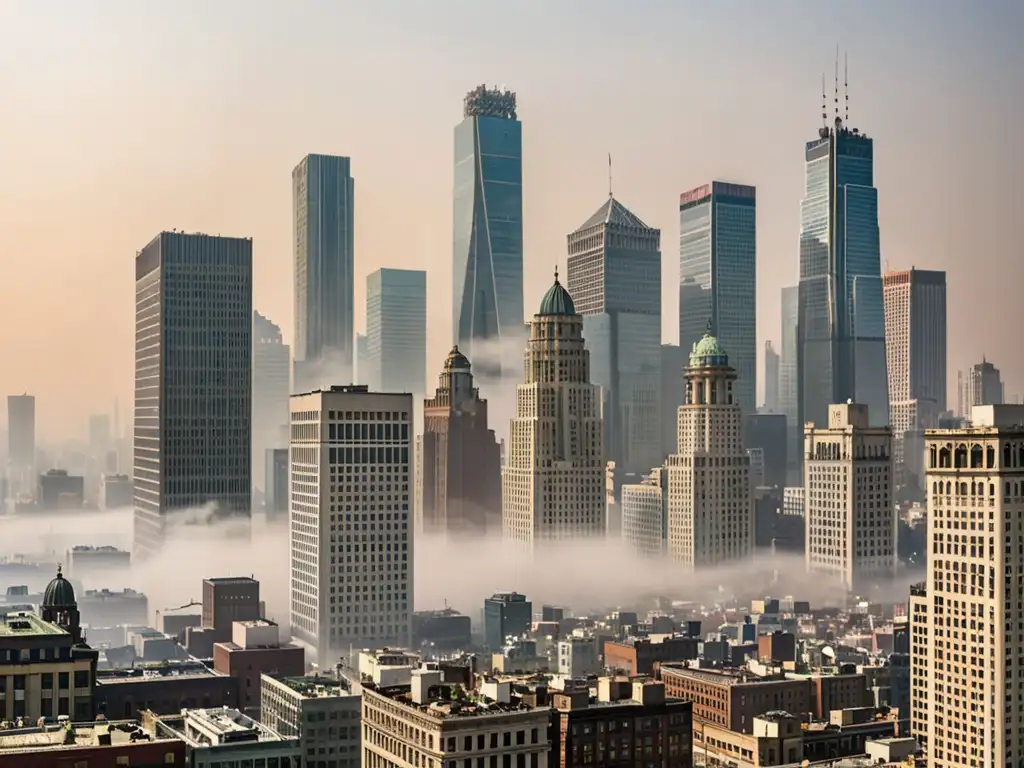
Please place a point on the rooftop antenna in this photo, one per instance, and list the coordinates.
(846, 84)
(824, 103)
(609, 174)
(837, 83)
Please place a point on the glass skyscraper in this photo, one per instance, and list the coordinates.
(323, 193)
(487, 288)
(718, 277)
(614, 277)
(841, 328)
(396, 331)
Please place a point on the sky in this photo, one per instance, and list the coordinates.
(120, 119)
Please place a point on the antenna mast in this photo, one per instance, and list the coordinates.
(837, 83)
(609, 174)
(846, 84)
(824, 103)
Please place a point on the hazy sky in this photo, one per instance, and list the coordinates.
(120, 119)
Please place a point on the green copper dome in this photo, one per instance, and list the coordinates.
(59, 593)
(707, 352)
(557, 300)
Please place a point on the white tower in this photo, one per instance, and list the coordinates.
(553, 481)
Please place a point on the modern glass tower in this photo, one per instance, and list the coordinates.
(718, 277)
(487, 287)
(841, 328)
(323, 193)
(396, 330)
(614, 275)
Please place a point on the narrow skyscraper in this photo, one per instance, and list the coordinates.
(21, 445)
(323, 194)
(271, 387)
(718, 276)
(789, 401)
(193, 372)
(487, 279)
(396, 330)
(460, 461)
(841, 327)
(614, 275)
(771, 378)
(983, 385)
(553, 481)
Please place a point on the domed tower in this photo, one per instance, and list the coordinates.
(457, 378)
(61, 607)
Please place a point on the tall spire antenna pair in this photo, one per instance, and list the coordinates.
(846, 90)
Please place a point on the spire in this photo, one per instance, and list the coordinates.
(609, 174)
(824, 103)
(846, 85)
(837, 83)
(556, 274)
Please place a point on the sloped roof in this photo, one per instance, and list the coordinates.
(613, 212)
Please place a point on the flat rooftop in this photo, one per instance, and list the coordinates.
(441, 708)
(27, 625)
(314, 686)
(52, 736)
(723, 677)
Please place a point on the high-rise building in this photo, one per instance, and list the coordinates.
(673, 394)
(460, 460)
(351, 544)
(275, 491)
(364, 370)
(848, 499)
(323, 195)
(271, 388)
(841, 328)
(506, 614)
(553, 480)
(396, 330)
(487, 279)
(710, 495)
(193, 378)
(645, 514)
(718, 276)
(983, 385)
(915, 347)
(789, 382)
(973, 478)
(771, 378)
(614, 277)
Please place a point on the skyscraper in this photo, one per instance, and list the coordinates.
(841, 328)
(351, 560)
(771, 378)
(21, 445)
(614, 276)
(983, 385)
(487, 279)
(323, 195)
(271, 387)
(193, 372)
(789, 383)
(710, 499)
(459, 457)
(396, 330)
(673, 394)
(553, 481)
(718, 276)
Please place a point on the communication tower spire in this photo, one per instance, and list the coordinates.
(846, 84)
(837, 83)
(609, 174)
(824, 103)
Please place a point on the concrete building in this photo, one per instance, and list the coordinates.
(553, 481)
(768, 432)
(718, 276)
(672, 393)
(407, 725)
(460, 460)
(614, 277)
(443, 631)
(256, 649)
(193, 376)
(487, 253)
(222, 735)
(848, 507)
(271, 388)
(578, 656)
(974, 479)
(771, 378)
(84, 559)
(60, 490)
(275, 489)
(323, 197)
(645, 514)
(21, 444)
(920, 663)
(100, 743)
(299, 707)
(506, 614)
(396, 330)
(227, 600)
(983, 385)
(117, 491)
(350, 480)
(715, 524)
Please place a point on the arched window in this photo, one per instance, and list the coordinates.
(960, 457)
(976, 456)
(1007, 456)
(933, 456)
(944, 457)
(990, 457)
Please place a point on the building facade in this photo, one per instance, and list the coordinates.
(487, 276)
(193, 380)
(841, 328)
(710, 495)
(789, 383)
(396, 330)
(614, 277)
(271, 388)
(983, 385)
(323, 198)
(718, 276)
(771, 378)
(298, 708)
(351, 544)
(645, 514)
(460, 459)
(673, 361)
(848, 508)
(275, 491)
(553, 480)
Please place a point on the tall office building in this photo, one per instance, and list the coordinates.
(973, 602)
(271, 387)
(710, 494)
(673, 394)
(323, 196)
(193, 375)
(460, 460)
(21, 444)
(983, 385)
(915, 348)
(848, 511)
(396, 330)
(553, 480)
(351, 543)
(645, 514)
(841, 329)
(718, 276)
(364, 370)
(487, 278)
(771, 378)
(614, 277)
(789, 383)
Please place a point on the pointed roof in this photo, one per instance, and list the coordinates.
(613, 212)
(557, 301)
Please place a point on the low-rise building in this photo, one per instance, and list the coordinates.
(118, 492)
(638, 656)
(101, 743)
(166, 688)
(323, 713)
(256, 649)
(578, 656)
(223, 736)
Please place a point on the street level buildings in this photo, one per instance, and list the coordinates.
(351, 543)
(614, 277)
(193, 381)
(396, 330)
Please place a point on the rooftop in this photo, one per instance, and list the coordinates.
(451, 701)
(24, 624)
(82, 735)
(615, 213)
(214, 727)
(314, 686)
